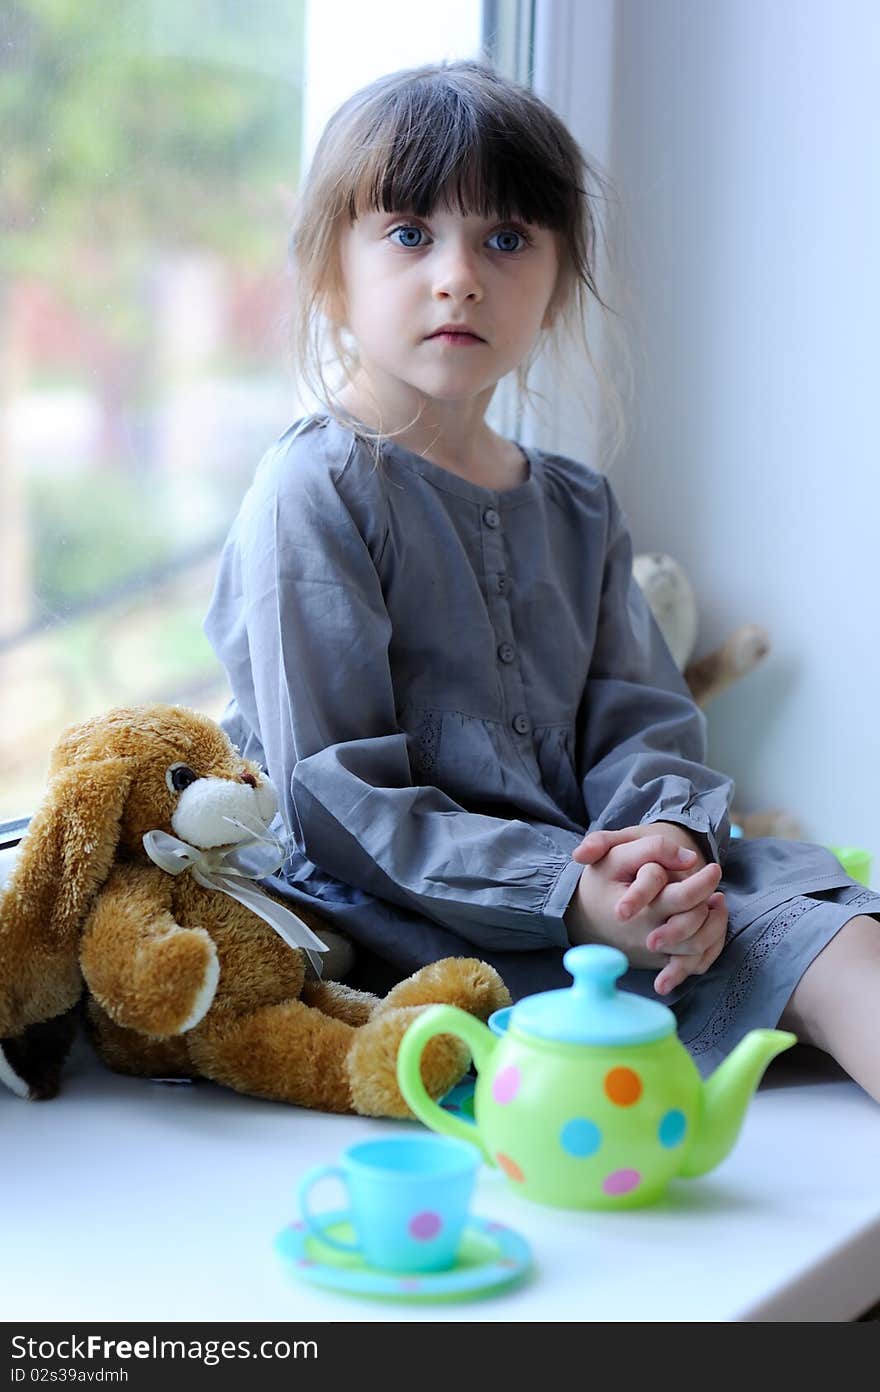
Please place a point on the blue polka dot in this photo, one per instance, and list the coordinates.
(580, 1137)
(672, 1129)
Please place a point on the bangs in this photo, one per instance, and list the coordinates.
(436, 145)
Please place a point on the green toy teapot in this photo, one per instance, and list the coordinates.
(589, 1099)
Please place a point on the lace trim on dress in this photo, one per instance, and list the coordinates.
(719, 1022)
(740, 986)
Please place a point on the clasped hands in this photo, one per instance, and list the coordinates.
(647, 891)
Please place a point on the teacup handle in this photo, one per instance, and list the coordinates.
(442, 1019)
(314, 1225)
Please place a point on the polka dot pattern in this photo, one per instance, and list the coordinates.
(580, 1137)
(510, 1167)
(621, 1182)
(623, 1087)
(506, 1084)
(424, 1226)
(671, 1129)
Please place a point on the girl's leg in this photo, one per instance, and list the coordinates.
(836, 1003)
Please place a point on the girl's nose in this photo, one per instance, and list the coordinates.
(457, 278)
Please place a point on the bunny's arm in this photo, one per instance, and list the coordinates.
(143, 969)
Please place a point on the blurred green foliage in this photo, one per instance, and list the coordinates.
(144, 119)
(89, 532)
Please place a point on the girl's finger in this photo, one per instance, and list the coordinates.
(672, 975)
(709, 935)
(717, 929)
(633, 843)
(649, 881)
(713, 952)
(687, 894)
(678, 933)
(626, 860)
(597, 844)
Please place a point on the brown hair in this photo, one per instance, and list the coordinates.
(460, 134)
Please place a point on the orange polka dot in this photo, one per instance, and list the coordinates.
(623, 1086)
(510, 1167)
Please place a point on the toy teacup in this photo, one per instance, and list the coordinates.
(588, 1099)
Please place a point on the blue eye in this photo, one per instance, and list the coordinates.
(506, 236)
(411, 235)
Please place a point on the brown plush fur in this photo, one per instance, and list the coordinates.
(181, 979)
(708, 676)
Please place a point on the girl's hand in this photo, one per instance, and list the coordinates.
(637, 872)
(669, 915)
(652, 861)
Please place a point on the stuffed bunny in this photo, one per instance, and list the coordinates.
(132, 888)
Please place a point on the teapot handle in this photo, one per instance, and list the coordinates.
(442, 1019)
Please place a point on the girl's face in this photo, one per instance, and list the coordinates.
(404, 278)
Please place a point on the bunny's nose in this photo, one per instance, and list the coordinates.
(249, 779)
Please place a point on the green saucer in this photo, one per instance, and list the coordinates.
(491, 1257)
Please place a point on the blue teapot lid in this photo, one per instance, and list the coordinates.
(593, 1010)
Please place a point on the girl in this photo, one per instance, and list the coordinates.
(432, 634)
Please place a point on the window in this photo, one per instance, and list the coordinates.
(150, 161)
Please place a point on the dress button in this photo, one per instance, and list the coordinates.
(507, 652)
(521, 724)
(491, 518)
(502, 583)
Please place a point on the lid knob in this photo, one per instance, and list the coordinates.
(595, 970)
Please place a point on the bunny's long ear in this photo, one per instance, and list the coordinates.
(64, 859)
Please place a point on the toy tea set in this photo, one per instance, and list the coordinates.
(585, 1099)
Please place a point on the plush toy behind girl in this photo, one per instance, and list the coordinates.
(432, 634)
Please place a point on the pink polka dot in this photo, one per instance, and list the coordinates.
(410, 1283)
(424, 1226)
(621, 1181)
(506, 1084)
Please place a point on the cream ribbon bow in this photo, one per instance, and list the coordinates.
(220, 869)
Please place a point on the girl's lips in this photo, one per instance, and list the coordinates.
(458, 338)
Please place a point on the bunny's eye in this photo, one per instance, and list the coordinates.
(179, 776)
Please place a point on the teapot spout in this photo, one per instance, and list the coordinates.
(726, 1095)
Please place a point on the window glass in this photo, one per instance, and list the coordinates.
(151, 154)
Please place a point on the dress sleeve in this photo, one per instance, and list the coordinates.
(300, 623)
(642, 745)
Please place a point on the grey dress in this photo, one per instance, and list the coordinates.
(448, 686)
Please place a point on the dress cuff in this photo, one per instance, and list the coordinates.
(560, 896)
